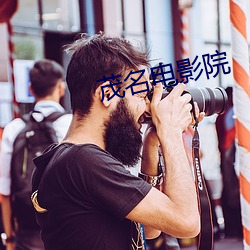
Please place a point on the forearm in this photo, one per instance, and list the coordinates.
(179, 183)
(149, 166)
(150, 155)
(7, 216)
(176, 211)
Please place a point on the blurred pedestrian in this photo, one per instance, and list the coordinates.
(225, 126)
(47, 86)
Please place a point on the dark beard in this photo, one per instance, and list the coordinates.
(122, 138)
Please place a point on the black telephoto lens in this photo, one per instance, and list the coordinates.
(210, 101)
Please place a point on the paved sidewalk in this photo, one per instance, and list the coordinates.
(223, 244)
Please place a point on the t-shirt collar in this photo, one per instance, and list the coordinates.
(48, 105)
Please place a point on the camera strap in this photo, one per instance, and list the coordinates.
(205, 238)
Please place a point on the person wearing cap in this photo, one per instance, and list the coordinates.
(47, 86)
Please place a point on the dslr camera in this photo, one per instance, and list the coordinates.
(210, 101)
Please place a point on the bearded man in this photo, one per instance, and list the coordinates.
(84, 196)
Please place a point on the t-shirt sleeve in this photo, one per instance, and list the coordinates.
(108, 184)
(10, 133)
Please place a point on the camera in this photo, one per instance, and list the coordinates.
(210, 101)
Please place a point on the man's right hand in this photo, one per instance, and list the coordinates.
(171, 115)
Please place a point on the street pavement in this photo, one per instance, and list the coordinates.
(223, 244)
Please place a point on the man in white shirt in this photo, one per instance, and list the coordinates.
(48, 87)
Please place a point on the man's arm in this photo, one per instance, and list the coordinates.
(7, 220)
(149, 166)
(175, 211)
(9, 134)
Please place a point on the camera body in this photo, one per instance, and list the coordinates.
(210, 101)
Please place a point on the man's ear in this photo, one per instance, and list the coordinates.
(104, 92)
(31, 90)
(62, 88)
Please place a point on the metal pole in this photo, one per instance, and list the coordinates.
(241, 99)
(40, 12)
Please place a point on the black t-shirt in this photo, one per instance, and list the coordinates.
(88, 194)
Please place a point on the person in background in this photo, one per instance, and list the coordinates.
(225, 126)
(47, 86)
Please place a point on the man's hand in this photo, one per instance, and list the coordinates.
(199, 115)
(171, 114)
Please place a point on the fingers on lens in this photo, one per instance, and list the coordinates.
(189, 106)
(197, 111)
(186, 98)
(177, 91)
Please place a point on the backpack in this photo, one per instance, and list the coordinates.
(37, 135)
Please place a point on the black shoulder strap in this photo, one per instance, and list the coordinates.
(26, 117)
(54, 116)
(51, 118)
(205, 238)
